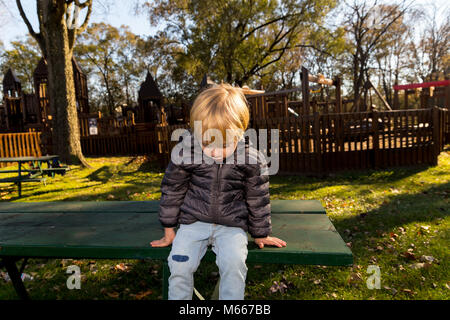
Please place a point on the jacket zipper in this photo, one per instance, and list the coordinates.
(217, 194)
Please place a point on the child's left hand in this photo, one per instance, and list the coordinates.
(270, 241)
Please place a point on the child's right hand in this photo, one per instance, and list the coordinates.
(169, 235)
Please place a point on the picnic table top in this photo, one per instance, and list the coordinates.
(124, 229)
(23, 159)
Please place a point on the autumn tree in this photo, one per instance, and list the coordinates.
(117, 61)
(392, 56)
(23, 58)
(367, 24)
(98, 48)
(235, 40)
(431, 52)
(129, 71)
(57, 34)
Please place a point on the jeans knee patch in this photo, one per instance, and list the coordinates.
(180, 258)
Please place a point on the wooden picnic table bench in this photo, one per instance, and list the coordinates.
(35, 173)
(124, 229)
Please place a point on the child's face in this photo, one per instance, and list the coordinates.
(219, 153)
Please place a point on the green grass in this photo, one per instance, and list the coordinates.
(390, 218)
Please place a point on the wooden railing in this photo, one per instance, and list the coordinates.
(20, 145)
(322, 143)
(317, 143)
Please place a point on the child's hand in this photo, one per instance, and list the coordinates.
(169, 235)
(270, 241)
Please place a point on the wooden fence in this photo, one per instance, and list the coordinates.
(317, 143)
(19, 145)
(128, 143)
(323, 143)
(106, 125)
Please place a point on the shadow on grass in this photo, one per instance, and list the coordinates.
(396, 211)
(282, 184)
(102, 174)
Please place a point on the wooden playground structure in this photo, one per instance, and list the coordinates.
(315, 136)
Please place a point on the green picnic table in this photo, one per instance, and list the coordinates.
(35, 172)
(124, 229)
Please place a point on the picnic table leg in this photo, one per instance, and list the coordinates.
(166, 273)
(15, 276)
(19, 186)
(51, 165)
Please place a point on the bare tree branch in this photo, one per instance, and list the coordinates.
(84, 25)
(27, 22)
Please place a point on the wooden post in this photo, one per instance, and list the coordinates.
(423, 104)
(376, 139)
(447, 97)
(396, 101)
(386, 105)
(338, 83)
(317, 142)
(436, 129)
(305, 90)
(406, 99)
(364, 107)
(447, 114)
(314, 105)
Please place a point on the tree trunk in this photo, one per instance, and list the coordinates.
(66, 132)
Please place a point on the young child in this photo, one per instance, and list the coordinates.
(217, 200)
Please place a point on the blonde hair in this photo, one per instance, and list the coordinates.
(220, 107)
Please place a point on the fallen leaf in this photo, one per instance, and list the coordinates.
(409, 291)
(278, 287)
(393, 190)
(427, 259)
(354, 278)
(409, 255)
(143, 294)
(113, 295)
(121, 267)
(418, 265)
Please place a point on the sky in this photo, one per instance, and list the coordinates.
(118, 13)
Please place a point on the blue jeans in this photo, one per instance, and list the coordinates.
(190, 245)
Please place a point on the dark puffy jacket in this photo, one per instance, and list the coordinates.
(228, 194)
